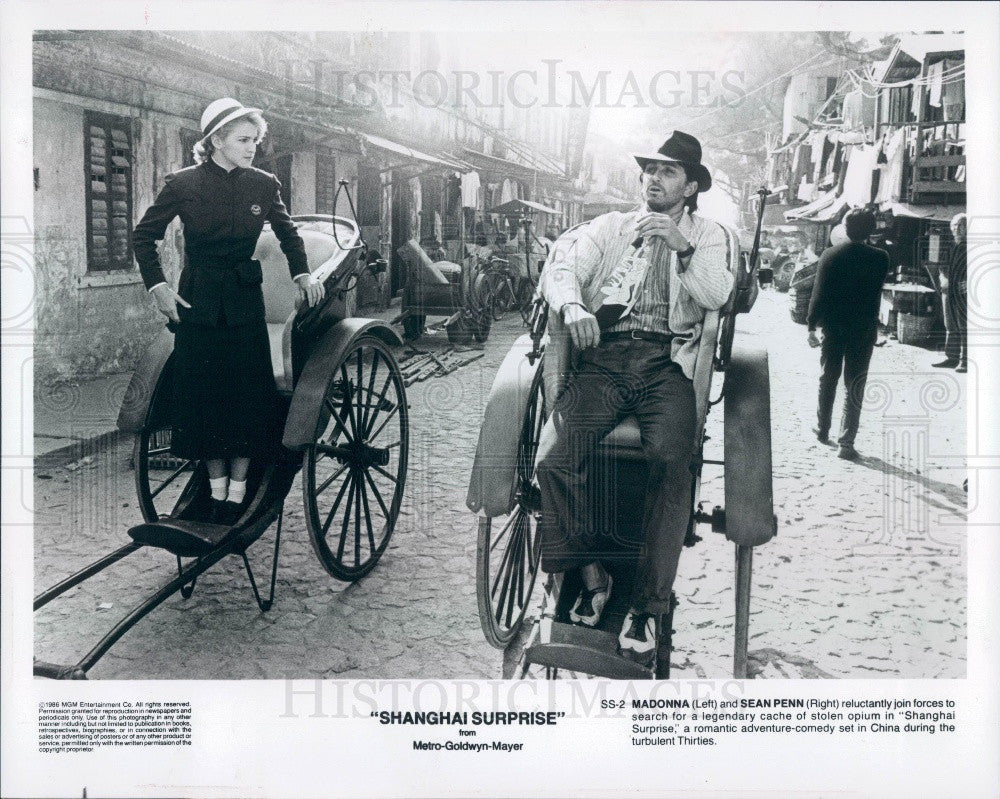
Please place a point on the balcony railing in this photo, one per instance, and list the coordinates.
(938, 165)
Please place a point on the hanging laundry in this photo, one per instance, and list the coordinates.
(891, 179)
(852, 109)
(953, 91)
(858, 179)
(934, 79)
(917, 98)
(470, 190)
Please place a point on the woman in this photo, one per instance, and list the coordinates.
(224, 397)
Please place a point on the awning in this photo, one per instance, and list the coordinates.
(505, 167)
(821, 210)
(829, 213)
(775, 214)
(415, 155)
(935, 213)
(520, 207)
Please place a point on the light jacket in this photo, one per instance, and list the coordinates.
(582, 262)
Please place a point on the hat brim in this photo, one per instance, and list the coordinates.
(236, 114)
(702, 174)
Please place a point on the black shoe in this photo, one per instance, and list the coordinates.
(231, 513)
(848, 453)
(947, 363)
(637, 640)
(962, 367)
(821, 437)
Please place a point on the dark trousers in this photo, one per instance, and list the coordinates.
(955, 319)
(612, 381)
(848, 351)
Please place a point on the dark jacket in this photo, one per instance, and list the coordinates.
(223, 214)
(848, 287)
(957, 273)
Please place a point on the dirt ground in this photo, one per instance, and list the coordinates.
(866, 577)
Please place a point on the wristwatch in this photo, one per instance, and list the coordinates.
(686, 253)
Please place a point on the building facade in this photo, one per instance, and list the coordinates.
(116, 111)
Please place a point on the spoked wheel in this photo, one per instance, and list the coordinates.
(500, 293)
(509, 547)
(160, 478)
(354, 474)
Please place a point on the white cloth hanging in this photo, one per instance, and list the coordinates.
(934, 75)
(470, 190)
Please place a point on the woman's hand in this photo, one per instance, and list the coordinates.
(311, 291)
(167, 300)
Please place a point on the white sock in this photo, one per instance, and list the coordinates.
(219, 486)
(237, 490)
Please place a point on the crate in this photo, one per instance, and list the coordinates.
(913, 329)
(799, 304)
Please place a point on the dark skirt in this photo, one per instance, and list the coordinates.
(224, 396)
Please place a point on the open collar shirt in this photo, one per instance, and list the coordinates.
(583, 261)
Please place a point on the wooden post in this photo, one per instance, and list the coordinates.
(744, 571)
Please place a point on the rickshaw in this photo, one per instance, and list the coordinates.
(504, 490)
(343, 412)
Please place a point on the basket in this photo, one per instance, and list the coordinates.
(912, 329)
(799, 305)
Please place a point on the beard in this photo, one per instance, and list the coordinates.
(658, 205)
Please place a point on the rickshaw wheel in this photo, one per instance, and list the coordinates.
(481, 328)
(354, 474)
(161, 479)
(525, 297)
(508, 557)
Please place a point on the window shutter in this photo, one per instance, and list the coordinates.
(108, 160)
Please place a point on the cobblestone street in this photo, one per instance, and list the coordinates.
(866, 577)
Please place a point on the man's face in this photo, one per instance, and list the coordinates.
(665, 186)
(958, 230)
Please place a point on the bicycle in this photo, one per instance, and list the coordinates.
(500, 290)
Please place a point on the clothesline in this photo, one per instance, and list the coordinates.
(947, 76)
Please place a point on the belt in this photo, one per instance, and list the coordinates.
(640, 335)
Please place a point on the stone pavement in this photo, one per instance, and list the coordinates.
(866, 577)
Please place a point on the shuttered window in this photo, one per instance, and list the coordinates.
(108, 160)
(325, 177)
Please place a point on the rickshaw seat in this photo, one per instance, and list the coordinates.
(280, 294)
(425, 271)
(183, 537)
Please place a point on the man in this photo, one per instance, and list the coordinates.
(845, 301)
(954, 299)
(633, 289)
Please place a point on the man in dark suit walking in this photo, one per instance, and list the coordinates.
(844, 303)
(953, 294)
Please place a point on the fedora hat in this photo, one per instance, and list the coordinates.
(680, 148)
(222, 111)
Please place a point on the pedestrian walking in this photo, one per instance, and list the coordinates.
(844, 303)
(224, 396)
(954, 299)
